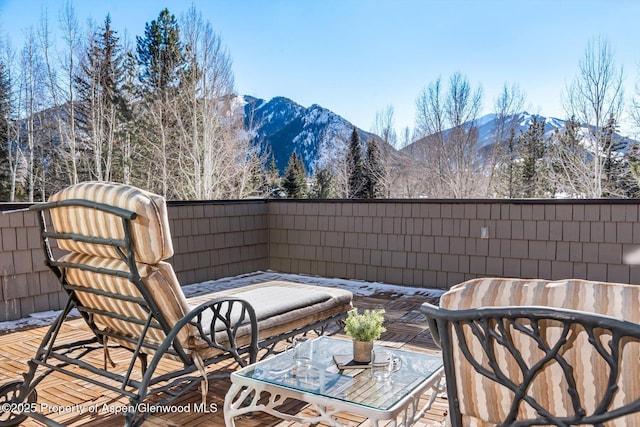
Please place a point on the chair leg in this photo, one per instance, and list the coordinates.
(16, 394)
(22, 394)
(143, 362)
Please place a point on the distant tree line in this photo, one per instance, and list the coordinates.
(161, 113)
(584, 159)
(362, 176)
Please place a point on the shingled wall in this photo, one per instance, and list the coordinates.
(211, 240)
(426, 243)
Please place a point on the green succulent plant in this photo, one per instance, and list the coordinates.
(365, 326)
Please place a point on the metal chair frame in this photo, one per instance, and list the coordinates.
(492, 326)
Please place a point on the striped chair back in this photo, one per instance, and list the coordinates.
(519, 364)
(114, 267)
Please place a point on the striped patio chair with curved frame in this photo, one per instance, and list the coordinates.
(535, 352)
(112, 242)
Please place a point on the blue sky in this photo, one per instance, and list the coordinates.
(356, 57)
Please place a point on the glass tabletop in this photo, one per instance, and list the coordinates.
(322, 377)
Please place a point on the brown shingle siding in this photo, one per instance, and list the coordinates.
(422, 243)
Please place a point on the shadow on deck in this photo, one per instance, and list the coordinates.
(84, 404)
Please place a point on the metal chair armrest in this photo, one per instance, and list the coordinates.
(233, 314)
(431, 311)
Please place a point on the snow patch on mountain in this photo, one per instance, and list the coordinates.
(281, 126)
(487, 127)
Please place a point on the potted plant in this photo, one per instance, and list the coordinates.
(364, 328)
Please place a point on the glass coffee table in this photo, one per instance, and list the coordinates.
(266, 385)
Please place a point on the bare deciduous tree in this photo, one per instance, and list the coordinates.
(595, 96)
(572, 173)
(406, 137)
(71, 37)
(446, 121)
(11, 142)
(384, 126)
(502, 157)
(333, 149)
(216, 157)
(60, 89)
(31, 95)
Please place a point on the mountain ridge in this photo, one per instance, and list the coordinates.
(281, 126)
(487, 128)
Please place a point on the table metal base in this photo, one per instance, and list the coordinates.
(247, 396)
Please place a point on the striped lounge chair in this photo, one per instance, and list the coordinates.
(534, 352)
(112, 241)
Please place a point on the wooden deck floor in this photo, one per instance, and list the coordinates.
(405, 328)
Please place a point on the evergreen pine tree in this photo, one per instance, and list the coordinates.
(633, 160)
(129, 131)
(566, 151)
(532, 143)
(357, 180)
(257, 183)
(510, 153)
(273, 168)
(160, 55)
(374, 173)
(615, 184)
(323, 184)
(295, 178)
(161, 62)
(101, 102)
(273, 179)
(628, 183)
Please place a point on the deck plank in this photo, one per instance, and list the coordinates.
(405, 329)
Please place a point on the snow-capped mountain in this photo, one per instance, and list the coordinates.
(281, 126)
(488, 125)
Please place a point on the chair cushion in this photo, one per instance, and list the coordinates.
(150, 229)
(282, 307)
(611, 299)
(269, 301)
(483, 399)
(159, 279)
